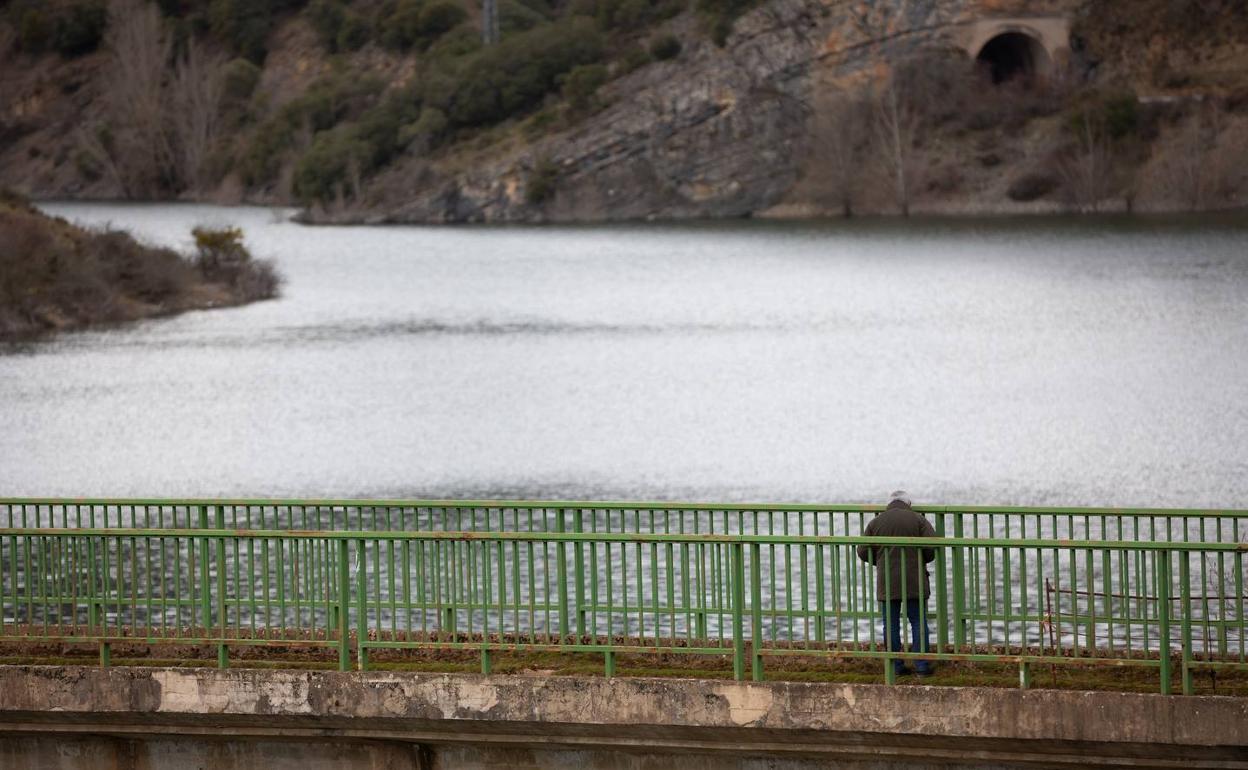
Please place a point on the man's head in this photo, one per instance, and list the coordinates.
(899, 496)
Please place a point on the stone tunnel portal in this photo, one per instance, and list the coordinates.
(1013, 56)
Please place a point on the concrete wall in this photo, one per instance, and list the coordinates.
(71, 718)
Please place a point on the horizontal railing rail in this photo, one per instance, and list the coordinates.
(1170, 605)
(1201, 525)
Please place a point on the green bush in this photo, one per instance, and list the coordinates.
(354, 34)
(417, 24)
(514, 17)
(461, 41)
(324, 171)
(222, 257)
(438, 18)
(325, 104)
(243, 25)
(634, 58)
(509, 78)
(326, 18)
(581, 84)
(1116, 114)
(426, 132)
(33, 31)
(665, 47)
(241, 79)
(80, 28)
(720, 15)
(542, 182)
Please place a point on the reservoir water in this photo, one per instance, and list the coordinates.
(1046, 362)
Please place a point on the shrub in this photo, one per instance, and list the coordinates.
(354, 33)
(1116, 114)
(665, 47)
(720, 16)
(461, 41)
(1031, 186)
(426, 132)
(440, 17)
(80, 28)
(326, 17)
(222, 257)
(417, 24)
(634, 58)
(542, 182)
(581, 84)
(325, 170)
(33, 31)
(513, 76)
(241, 78)
(516, 17)
(243, 25)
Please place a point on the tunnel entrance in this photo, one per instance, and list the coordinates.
(1013, 56)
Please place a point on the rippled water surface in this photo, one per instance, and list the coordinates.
(1032, 362)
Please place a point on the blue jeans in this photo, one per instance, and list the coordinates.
(890, 612)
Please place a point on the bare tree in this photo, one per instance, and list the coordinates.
(838, 133)
(1192, 169)
(1088, 170)
(139, 142)
(197, 88)
(897, 121)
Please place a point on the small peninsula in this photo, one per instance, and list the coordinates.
(57, 276)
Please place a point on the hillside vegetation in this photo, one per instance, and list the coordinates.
(189, 93)
(55, 275)
(397, 110)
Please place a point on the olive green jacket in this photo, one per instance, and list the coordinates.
(904, 564)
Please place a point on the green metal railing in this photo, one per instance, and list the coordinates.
(748, 582)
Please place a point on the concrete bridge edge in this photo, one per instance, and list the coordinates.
(780, 721)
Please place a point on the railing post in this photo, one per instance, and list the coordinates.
(959, 587)
(223, 655)
(1186, 587)
(1161, 567)
(579, 565)
(942, 590)
(205, 587)
(756, 613)
(562, 576)
(361, 608)
(344, 602)
(93, 612)
(821, 632)
(738, 611)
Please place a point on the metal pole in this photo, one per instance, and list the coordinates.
(223, 655)
(959, 588)
(344, 603)
(1162, 575)
(756, 613)
(738, 611)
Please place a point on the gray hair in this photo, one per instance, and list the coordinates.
(901, 495)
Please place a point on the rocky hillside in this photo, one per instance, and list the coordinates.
(394, 110)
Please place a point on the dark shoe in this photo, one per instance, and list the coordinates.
(925, 672)
(902, 671)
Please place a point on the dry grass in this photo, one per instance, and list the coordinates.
(812, 668)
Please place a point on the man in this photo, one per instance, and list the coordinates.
(901, 577)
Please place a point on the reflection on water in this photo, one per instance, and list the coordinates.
(1038, 362)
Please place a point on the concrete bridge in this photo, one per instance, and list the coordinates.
(71, 718)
